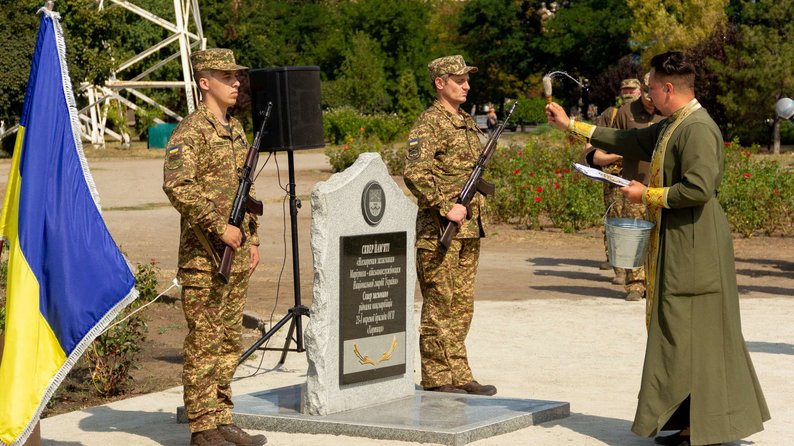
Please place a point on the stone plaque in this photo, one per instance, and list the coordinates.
(361, 337)
(372, 297)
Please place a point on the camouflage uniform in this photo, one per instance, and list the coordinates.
(201, 169)
(630, 116)
(442, 150)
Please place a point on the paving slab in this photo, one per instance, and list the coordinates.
(426, 417)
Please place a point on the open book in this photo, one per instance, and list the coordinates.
(600, 175)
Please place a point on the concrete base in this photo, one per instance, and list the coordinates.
(426, 417)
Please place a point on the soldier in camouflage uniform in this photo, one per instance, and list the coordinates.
(629, 92)
(633, 115)
(204, 155)
(443, 147)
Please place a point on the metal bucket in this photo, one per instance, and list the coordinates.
(627, 241)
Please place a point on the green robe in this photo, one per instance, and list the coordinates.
(695, 346)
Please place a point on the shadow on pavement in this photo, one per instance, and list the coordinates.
(771, 290)
(583, 291)
(579, 275)
(158, 426)
(611, 431)
(764, 273)
(783, 265)
(770, 347)
(551, 261)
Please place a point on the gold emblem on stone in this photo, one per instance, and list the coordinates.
(364, 359)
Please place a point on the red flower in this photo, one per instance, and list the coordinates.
(727, 143)
(746, 153)
(532, 174)
(539, 189)
(346, 147)
(747, 174)
(361, 130)
(566, 170)
(557, 171)
(520, 153)
(556, 186)
(537, 199)
(516, 172)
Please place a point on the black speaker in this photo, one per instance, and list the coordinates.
(296, 119)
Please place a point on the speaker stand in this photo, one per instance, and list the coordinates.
(295, 313)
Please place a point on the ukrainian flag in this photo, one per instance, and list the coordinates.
(66, 278)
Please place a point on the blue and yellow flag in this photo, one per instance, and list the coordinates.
(66, 277)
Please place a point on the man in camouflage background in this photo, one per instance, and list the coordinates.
(630, 91)
(204, 156)
(632, 115)
(443, 147)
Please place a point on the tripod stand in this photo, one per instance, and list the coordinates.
(295, 313)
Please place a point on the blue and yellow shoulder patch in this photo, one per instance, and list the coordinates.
(173, 157)
(413, 149)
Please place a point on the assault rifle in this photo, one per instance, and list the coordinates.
(476, 183)
(243, 202)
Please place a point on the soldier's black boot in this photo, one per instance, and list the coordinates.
(240, 437)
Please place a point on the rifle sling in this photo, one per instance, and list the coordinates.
(205, 243)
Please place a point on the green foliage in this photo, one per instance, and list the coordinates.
(344, 122)
(343, 156)
(756, 193)
(528, 111)
(758, 68)
(535, 183)
(674, 26)
(409, 106)
(114, 353)
(362, 79)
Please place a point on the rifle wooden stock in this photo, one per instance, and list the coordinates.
(242, 200)
(476, 183)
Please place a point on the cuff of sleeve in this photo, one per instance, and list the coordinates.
(219, 228)
(581, 128)
(656, 197)
(444, 209)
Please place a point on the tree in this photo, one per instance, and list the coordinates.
(674, 25)
(757, 71)
(409, 106)
(362, 78)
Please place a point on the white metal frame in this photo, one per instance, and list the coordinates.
(102, 97)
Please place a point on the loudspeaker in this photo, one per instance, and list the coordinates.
(296, 119)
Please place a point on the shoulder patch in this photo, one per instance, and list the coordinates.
(413, 149)
(173, 157)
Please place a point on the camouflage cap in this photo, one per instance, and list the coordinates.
(448, 65)
(220, 59)
(630, 83)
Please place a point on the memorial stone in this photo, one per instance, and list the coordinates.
(361, 336)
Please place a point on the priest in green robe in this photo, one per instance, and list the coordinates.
(698, 378)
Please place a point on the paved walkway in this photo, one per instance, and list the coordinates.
(588, 352)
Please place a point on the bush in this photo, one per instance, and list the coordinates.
(756, 193)
(342, 157)
(536, 181)
(114, 353)
(343, 122)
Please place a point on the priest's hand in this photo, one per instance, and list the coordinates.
(557, 116)
(634, 191)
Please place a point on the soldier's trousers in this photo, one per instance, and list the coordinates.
(622, 208)
(212, 348)
(446, 277)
